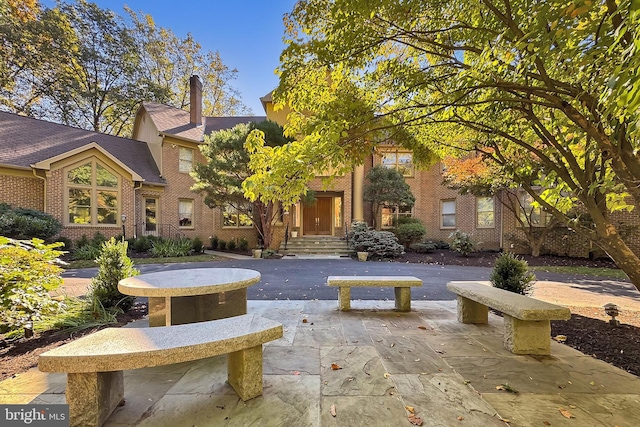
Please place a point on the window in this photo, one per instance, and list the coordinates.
(402, 161)
(185, 164)
(485, 212)
(337, 212)
(234, 217)
(448, 214)
(185, 213)
(530, 215)
(92, 195)
(390, 215)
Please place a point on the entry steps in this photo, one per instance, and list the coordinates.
(307, 245)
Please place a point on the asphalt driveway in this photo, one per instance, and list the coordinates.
(305, 279)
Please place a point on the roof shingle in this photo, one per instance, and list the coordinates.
(25, 141)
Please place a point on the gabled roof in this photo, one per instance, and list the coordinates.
(176, 122)
(25, 141)
(173, 121)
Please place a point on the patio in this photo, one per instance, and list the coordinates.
(383, 362)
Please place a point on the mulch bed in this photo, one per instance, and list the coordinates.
(21, 355)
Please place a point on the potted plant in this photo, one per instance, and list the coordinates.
(362, 256)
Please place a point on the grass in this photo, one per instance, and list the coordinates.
(139, 261)
(609, 273)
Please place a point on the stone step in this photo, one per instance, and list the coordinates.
(316, 245)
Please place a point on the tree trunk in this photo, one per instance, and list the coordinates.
(621, 254)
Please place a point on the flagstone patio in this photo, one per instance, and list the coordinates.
(372, 365)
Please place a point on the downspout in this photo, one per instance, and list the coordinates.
(44, 189)
(135, 210)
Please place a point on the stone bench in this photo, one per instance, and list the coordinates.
(401, 284)
(94, 363)
(527, 327)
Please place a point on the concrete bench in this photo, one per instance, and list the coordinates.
(527, 327)
(401, 284)
(94, 363)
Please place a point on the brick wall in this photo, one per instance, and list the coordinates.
(22, 191)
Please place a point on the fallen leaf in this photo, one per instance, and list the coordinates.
(547, 423)
(335, 367)
(565, 413)
(422, 327)
(460, 418)
(440, 352)
(465, 382)
(592, 383)
(305, 321)
(561, 386)
(560, 338)
(332, 410)
(393, 344)
(387, 374)
(296, 372)
(572, 406)
(410, 409)
(416, 421)
(507, 387)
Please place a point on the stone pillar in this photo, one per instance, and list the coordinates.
(470, 311)
(93, 396)
(403, 298)
(159, 311)
(357, 209)
(527, 337)
(245, 372)
(344, 298)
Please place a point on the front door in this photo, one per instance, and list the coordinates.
(316, 218)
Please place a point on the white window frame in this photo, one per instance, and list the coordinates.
(394, 214)
(237, 214)
(185, 159)
(396, 164)
(481, 213)
(184, 216)
(446, 212)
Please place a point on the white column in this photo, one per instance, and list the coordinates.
(358, 200)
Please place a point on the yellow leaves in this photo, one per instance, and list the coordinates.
(387, 375)
(560, 338)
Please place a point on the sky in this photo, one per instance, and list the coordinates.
(247, 33)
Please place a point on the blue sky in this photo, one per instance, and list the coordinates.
(247, 33)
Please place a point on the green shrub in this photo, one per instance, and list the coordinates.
(268, 253)
(381, 244)
(141, 244)
(171, 247)
(422, 248)
(461, 242)
(243, 244)
(407, 220)
(196, 245)
(231, 246)
(222, 245)
(86, 252)
(410, 232)
(19, 223)
(98, 239)
(113, 266)
(28, 272)
(82, 241)
(213, 241)
(511, 273)
(439, 244)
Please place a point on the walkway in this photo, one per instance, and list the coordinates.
(386, 364)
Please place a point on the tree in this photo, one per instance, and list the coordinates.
(542, 90)
(387, 186)
(168, 61)
(87, 67)
(220, 179)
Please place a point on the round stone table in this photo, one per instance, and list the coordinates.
(193, 295)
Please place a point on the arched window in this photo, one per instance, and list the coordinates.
(92, 194)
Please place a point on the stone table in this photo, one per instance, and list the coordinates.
(194, 295)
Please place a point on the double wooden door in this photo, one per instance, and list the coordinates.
(316, 218)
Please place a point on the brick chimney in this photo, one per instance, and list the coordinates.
(195, 100)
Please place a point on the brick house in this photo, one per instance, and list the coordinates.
(96, 182)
